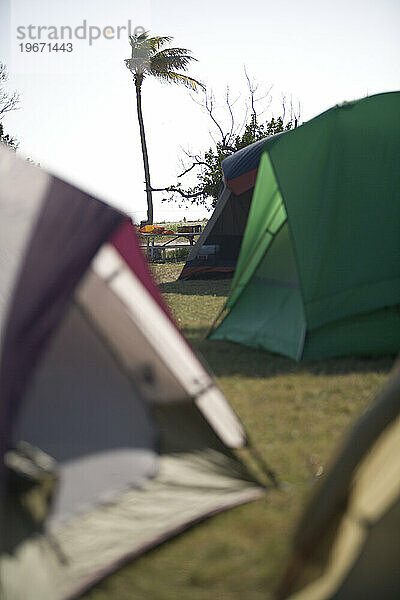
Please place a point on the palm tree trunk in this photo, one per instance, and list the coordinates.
(145, 155)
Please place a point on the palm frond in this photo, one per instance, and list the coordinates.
(138, 38)
(171, 59)
(153, 44)
(178, 78)
(164, 64)
(177, 52)
(143, 49)
(159, 41)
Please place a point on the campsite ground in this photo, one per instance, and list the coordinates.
(296, 414)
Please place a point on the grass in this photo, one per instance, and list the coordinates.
(296, 414)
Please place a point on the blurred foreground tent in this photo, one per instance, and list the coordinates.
(113, 435)
(216, 252)
(319, 268)
(348, 541)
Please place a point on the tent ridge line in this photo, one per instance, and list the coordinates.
(302, 342)
(257, 245)
(300, 287)
(237, 285)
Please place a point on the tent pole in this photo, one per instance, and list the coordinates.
(259, 460)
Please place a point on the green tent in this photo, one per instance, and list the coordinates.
(318, 273)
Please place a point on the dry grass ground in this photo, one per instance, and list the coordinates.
(296, 414)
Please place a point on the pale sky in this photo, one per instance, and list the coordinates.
(78, 116)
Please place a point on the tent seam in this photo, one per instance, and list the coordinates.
(301, 346)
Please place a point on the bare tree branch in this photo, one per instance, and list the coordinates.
(174, 189)
(230, 131)
(228, 103)
(252, 89)
(212, 137)
(8, 101)
(209, 106)
(283, 106)
(195, 164)
(261, 98)
(244, 122)
(194, 157)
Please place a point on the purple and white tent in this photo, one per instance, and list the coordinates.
(95, 375)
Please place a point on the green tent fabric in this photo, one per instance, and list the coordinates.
(319, 269)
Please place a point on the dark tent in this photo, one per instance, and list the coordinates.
(113, 435)
(319, 268)
(216, 252)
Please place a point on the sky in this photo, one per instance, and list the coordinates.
(77, 115)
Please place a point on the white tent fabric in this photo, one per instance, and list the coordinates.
(94, 373)
(190, 378)
(16, 217)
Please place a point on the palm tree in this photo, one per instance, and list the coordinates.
(148, 58)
